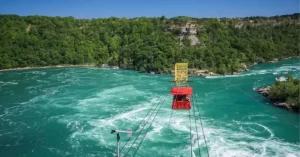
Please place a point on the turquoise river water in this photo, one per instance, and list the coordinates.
(69, 112)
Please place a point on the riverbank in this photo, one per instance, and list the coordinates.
(62, 66)
(204, 73)
(192, 72)
(244, 67)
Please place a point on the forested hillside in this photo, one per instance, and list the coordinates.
(146, 44)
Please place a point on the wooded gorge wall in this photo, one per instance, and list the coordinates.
(146, 44)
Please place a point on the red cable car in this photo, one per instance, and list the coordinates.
(181, 98)
(181, 92)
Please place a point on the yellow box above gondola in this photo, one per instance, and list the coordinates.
(181, 74)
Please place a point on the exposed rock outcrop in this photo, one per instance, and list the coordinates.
(189, 30)
(107, 66)
(202, 73)
(28, 28)
(264, 91)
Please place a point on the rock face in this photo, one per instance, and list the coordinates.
(189, 30)
(274, 60)
(202, 73)
(281, 104)
(244, 66)
(264, 91)
(107, 66)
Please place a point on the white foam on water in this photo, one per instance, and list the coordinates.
(229, 142)
(126, 116)
(181, 125)
(40, 72)
(282, 79)
(57, 151)
(42, 81)
(252, 117)
(104, 98)
(8, 83)
(34, 99)
(33, 88)
(65, 77)
(252, 72)
(226, 142)
(101, 126)
(155, 132)
(291, 155)
(214, 77)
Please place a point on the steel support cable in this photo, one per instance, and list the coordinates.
(191, 133)
(196, 129)
(157, 104)
(140, 123)
(244, 92)
(145, 124)
(168, 128)
(149, 128)
(201, 125)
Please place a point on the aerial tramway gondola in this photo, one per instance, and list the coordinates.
(181, 91)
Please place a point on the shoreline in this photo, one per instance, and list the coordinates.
(60, 66)
(204, 73)
(192, 72)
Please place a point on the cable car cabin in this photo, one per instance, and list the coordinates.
(181, 98)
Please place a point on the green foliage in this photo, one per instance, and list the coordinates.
(287, 91)
(145, 44)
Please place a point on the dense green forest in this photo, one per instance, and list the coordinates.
(287, 91)
(146, 44)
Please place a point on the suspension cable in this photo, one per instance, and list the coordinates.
(244, 92)
(202, 125)
(191, 133)
(156, 104)
(196, 129)
(251, 97)
(167, 128)
(147, 121)
(148, 127)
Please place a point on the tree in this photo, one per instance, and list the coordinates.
(286, 91)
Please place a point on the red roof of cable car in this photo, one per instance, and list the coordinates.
(181, 90)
